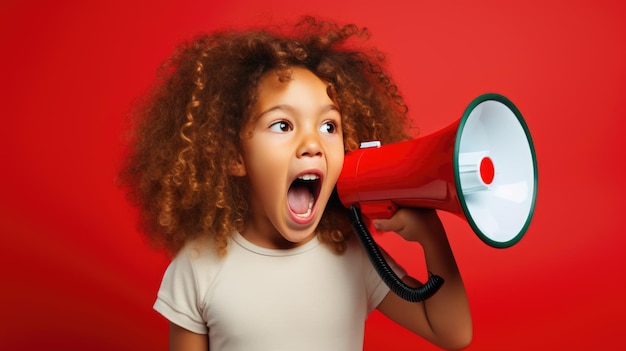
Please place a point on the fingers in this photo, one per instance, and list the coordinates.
(394, 224)
(412, 224)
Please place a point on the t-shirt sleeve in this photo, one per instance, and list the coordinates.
(178, 298)
(377, 289)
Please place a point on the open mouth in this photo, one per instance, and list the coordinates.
(303, 194)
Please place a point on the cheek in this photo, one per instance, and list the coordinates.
(265, 170)
(335, 162)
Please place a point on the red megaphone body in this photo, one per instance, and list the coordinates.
(481, 167)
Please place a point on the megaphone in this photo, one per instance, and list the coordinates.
(481, 167)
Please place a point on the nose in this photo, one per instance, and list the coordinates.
(310, 145)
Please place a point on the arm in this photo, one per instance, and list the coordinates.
(444, 319)
(182, 339)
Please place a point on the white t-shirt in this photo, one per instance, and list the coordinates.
(306, 298)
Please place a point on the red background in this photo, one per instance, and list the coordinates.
(76, 275)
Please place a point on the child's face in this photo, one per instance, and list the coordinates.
(293, 158)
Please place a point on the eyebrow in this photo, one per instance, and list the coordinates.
(289, 109)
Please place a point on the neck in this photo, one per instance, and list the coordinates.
(262, 233)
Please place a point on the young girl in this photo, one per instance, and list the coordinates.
(234, 164)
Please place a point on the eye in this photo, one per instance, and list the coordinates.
(328, 127)
(281, 127)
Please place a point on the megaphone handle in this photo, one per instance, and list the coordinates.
(384, 270)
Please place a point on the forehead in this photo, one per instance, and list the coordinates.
(301, 91)
(298, 80)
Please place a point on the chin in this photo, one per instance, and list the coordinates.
(300, 235)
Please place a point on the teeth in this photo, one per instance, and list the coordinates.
(309, 177)
(308, 212)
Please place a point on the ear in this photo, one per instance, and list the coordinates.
(237, 167)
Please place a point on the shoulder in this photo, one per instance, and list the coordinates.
(194, 268)
(355, 250)
(200, 257)
(182, 296)
(374, 284)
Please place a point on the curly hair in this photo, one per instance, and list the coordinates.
(188, 128)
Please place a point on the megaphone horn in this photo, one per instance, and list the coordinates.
(482, 168)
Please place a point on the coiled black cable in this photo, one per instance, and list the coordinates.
(384, 270)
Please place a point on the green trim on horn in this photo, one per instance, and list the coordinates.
(461, 196)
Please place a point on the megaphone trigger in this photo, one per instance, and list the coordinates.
(379, 209)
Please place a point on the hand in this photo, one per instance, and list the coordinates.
(413, 224)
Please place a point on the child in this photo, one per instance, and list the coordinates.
(234, 165)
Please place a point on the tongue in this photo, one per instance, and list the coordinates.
(299, 198)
